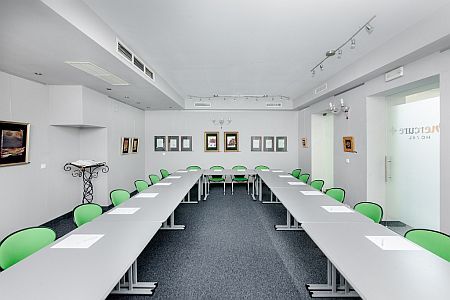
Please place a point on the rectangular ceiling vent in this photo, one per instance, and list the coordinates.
(394, 74)
(98, 72)
(320, 89)
(202, 104)
(274, 104)
(131, 57)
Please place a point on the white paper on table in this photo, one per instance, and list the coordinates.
(278, 171)
(393, 243)
(264, 170)
(79, 241)
(256, 144)
(296, 183)
(285, 176)
(163, 183)
(182, 171)
(338, 209)
(146, 195)
(193, 170)
(311, 193)
(186, 143)
(241, 170)
(173, 177)
(159, 143)
(217, 170)
(124, 211)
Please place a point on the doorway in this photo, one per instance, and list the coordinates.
(322, 135)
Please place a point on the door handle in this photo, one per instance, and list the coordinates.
(387, 173)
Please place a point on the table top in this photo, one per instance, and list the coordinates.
(307, 209)
(377, 273)
(278, 178)
(79, 273)
(228, 172)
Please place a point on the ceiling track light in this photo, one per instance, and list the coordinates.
(338, 50)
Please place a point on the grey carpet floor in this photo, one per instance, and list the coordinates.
(229, 250)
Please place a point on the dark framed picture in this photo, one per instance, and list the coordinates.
(269, 142)
(211, 141)
(349, 145)
(186, 143)
(256, 143)
(231, 141)
(14, 143)
(160, 143)
(173, 143)
(125, 145)
(134, 145)
(281, 144)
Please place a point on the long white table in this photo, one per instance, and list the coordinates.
(273, 179)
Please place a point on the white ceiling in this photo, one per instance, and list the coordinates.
(204, 47)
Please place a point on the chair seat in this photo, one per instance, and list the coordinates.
(240, 179)
(216, 179)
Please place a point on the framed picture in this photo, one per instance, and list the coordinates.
(125, 145)
(281, 145)
(256, 143)
(269, 144)
(349, 145)
(186, 143)
(14, 143)
(211, 141)
(160, 143)
(173, 143)
(231, 141)
(305, 142)
(134, 145)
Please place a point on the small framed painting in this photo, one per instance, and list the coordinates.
(305, 142)
(134, 145)
(211, 141)
(173, 143)
(186, 143)
(160, 143)
(14, 143)
(125, 145)
(269, 144)
(256, 143)
(349, 145)
(281, 145)
(231, 141)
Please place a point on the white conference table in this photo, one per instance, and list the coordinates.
(273, 179)
(225, 173)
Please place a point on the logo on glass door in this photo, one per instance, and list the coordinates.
(419, 132)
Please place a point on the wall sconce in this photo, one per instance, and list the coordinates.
(222, 122)
(343, 108)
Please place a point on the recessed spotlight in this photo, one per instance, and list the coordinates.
(170, 107)
(148, 107)
(37, 74)
(108, 89)
(126, 97)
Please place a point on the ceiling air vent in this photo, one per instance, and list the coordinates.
(394, 74)
(130, 56)
(124, 51)
(149, 73)
(98, 72)
(202, 104)
(138, 64)
(274, 104)
(320, 89)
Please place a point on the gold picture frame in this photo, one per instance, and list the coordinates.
(231, 141)
(349, 144)
(211, 141)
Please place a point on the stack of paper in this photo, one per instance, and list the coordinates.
(393, 243)
(78, 241)
(296, 183)
(173, 177)
(163, 183)
(338, 209)
(311, 193)
(124, 211)
(146, 195)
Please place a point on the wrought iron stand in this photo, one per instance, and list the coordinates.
(87, 173)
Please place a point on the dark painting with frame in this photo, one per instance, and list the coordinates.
(14, 143)
(231, 141)
(134, 145)
(125, 145)
(211, 141)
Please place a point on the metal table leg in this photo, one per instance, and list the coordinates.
(131, 286)
(289, 226)
(172, 225)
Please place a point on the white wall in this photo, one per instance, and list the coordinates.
(195, 123)
(30, 195)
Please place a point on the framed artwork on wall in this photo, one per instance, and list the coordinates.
(186, 143)
(211, 141)
(173, 143)
(14, 143)
(349, 144)
(125, 145)
(231, 141)
(160, 143)
(281, 145)
(256, 143)
(269, 144)
(134, 145)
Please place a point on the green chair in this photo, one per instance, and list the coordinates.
(371, 210)
(317, 184)
(434, 241)
(304, 177)
(261, 167)
(84, 213)
(239, 178)
(21, 244)
(154, 178)
(336, 193)
(217, 178)
(119, 196)
(164, 173)
(296, 172)
(141, 185)
(193, 168)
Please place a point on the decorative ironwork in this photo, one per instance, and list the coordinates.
(87, 173)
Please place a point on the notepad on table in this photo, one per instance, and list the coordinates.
(285, 176)
(173, 177)
(217, 170)
(393, 243)
(163, 183)
(278, 171)
(264, 170)
(146, 195)
(296, 183)
(124, 211)
(337, 209)
(193, 170)
(78, 241)
(181, 171)
(311, 193)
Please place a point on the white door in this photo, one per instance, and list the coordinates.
(322, 128)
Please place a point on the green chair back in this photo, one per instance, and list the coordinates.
(23, 243)
(261, 167)
(434, 241)
(296, 172)
(317, 184)
(336, 193)
(215, 177)
(141, 185)
(193, 168)
(164, 173)
(304, 177)
(370, 210)
(239, 167)
(85, 213)
(154, 178)
(119, 196)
